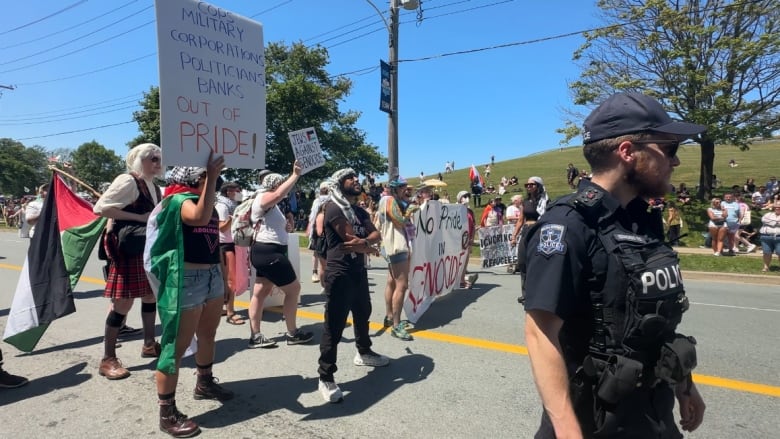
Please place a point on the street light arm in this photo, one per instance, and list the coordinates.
(387, 25)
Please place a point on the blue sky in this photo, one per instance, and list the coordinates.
(77, 65)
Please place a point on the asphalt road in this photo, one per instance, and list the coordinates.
(465, 375)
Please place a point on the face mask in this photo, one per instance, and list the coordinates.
(238, 196)
(465, 201)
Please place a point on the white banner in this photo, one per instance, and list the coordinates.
(306, 149)
(212, 85)
(494, 248)
(440, 253)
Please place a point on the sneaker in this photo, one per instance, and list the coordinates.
(260, 341)
(472, 278)
(716, 254)
(8, 381)
(750, 248)
(400, 332)
(299, 337)
(151, 351)
(388, 322)
(315, 277)
(208, 388)
(330, 391)
(371, 359)
(127, 331)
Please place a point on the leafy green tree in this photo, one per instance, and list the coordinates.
(712, 62)
(148, 119)
(300, 94)
(94, 164)
(21, 167)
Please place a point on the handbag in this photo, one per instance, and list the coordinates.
(131, 237)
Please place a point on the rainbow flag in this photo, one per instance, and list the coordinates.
(65, 235)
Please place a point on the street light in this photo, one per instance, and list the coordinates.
(392, 120)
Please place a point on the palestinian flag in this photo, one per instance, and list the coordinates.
(65, 235)
(474, 174)
(164, 265)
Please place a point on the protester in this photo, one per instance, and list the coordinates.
(227, 201)
(770, 235)
(33, 209)
(601, 337)
(191, 286)
(349, 234)
(467, 280)
(317, 261)
(717, 226)
(127, 203)
(476, 192)
(8, 381)
(393, 216)
(533, 207)
(513, 211)
(269, 257)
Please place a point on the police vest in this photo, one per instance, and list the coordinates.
(636, 309)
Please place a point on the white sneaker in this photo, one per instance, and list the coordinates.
(315, 277)
(750, 248)
(260, 341)
(330, 392)
(371, 359)
(716, 254)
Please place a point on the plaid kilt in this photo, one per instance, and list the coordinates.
(126, 276)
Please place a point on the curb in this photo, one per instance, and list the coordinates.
(759, 279)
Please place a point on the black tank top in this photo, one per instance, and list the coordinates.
(201, 243)
(529, 210)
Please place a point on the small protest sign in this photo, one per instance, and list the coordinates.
(306, 149)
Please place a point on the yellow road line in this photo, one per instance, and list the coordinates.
(726, 383)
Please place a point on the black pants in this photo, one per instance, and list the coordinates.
(674, 235)
(344, 293)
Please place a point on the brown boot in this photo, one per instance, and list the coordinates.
(207, 388)
(112, 369)
(151, 351)
(175, 423)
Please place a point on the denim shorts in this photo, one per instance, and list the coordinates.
(398, 257)
(770, 244)
(200, 286)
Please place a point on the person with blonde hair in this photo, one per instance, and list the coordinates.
(717, 226)
(127, 203)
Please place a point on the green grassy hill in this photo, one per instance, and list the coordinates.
(760, 162)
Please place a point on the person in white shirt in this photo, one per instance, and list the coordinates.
(34, 208)
(227, 200)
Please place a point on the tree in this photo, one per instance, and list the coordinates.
(23, 168)
(148, 119)
(94, 164)
(712, 62)
(300, 94)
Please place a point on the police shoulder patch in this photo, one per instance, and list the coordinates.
(551, 239)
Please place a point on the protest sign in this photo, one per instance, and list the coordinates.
(212, 85)
(307, 150)
(494, 247)
(440, 253)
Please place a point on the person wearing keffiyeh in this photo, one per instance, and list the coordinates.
(269, 257)
(349, 234)
(183, 264)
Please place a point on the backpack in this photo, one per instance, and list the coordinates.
(241, 226)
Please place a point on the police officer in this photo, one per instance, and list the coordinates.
(603, 292)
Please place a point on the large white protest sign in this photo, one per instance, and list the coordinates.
(494, 246)
(440, 252)
(307, 150)
(212, 85)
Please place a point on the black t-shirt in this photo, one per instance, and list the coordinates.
(338, 261)
(201, 243)
(565, 261)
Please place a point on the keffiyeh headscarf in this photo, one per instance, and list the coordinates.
(541, 203)
(184, 179)
(334, 187)
(270, 182)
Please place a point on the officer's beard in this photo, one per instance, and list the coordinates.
(645, 180)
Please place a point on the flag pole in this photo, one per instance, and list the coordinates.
(56, 169)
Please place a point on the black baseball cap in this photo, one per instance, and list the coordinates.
(630, 113)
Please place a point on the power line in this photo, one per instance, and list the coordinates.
(76, 131)
(135, 95)
(69, 118)
(44, 18)
(81, 37)
(91, 71)
(79, 50)
(48, 118)
(62, 31)
(271, 8)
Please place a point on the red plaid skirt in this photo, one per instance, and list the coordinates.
(126, 277)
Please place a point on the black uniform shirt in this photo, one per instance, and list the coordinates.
(565, 261)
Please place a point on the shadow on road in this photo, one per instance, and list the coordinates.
(257, 397)
(69, 377)
(450, 307)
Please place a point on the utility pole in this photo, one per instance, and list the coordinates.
(392, 121)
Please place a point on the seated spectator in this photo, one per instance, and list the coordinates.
(683, 195)
(750, 186)
(733, 163)
(759, 198)
(513, 181)
(490, 189)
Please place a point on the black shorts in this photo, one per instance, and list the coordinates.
(271, 262)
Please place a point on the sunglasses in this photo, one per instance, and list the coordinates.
(668, 147)
(530, 184)
(154, 159)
